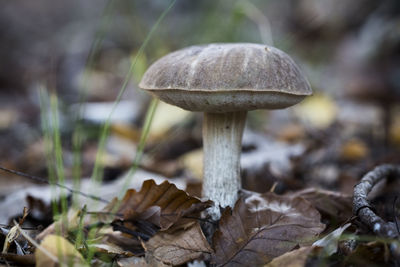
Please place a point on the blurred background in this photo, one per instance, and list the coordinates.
(81, 51)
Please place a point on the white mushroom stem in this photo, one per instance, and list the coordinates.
(222, 142)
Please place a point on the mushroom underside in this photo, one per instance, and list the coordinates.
(226, 101)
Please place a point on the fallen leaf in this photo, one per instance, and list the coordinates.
(178, 246)
(167, 168)
(395, 132)
(353, 150)
(8, 117)
(295, 258)
(14, 233)
(132, 261)
(152, 261)
(194, 187)
(165, 117)
(193, 163)
(127, 244)
(262, 227)
(110, 249)
(337, 205)
(11, 236)
(291, 133)
(318, 110)
(127, 131)
(99, 112)
(55, 250)
(39, 210)
(329, 243)
(18, 260)
(375, 253)
(155, 207)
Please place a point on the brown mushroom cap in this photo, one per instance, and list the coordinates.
(227, 78)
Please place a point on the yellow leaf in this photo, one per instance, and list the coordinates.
(165, 117)
(11, 236)
(318, 110)
(193, 162)
(353, 150)
(395, 132)
(126, 131)
(55, 250)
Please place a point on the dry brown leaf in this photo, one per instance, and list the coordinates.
(127, 244)
(334, 204)
(161, 205)
(110, 249)
(291, 133)
(14, 233)
(295, 258)
(353, 150)
(133, 261)
(18, 260)
(178, 246)
(262, 227)
(376, 253)
(395, 132)
(153, 262)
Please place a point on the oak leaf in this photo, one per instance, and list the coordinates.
(295, 258)
(178, 246)
(262, 227)
(153, 208)
(333, 204)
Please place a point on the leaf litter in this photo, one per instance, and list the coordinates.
(161, 225)
(262, 227)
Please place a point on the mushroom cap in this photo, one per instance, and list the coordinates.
(227, 78)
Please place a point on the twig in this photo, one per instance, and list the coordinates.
(361, 206)
(44, 181)
(23, 228)
(104, 213)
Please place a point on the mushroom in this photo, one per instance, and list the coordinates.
(225, 81)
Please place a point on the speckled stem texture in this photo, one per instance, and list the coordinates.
(361, 206)
(222, 142)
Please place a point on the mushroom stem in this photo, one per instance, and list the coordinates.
(222, 142)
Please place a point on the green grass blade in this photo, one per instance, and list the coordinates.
(53, 150)
(77, 139)
(98, 167)
(48, 145)
(57, 150)
(151, 110)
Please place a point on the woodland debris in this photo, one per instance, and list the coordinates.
(361, 206)
(265, 226)
(179, 246)
(295, 258)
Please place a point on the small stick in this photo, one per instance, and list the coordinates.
(42, 180)
(361, 206)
